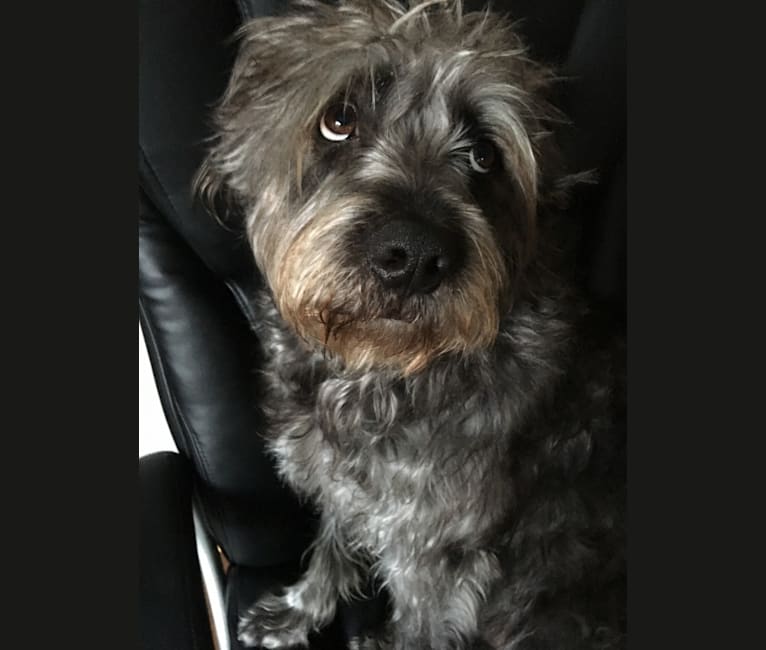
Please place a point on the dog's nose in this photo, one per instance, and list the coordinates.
(412, 256)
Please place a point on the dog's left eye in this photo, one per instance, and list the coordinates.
(338, 122)
(482, 156)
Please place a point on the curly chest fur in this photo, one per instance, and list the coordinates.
(403, 482)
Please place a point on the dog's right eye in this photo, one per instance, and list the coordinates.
(338, 122)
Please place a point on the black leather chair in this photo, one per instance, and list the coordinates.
(195, 279)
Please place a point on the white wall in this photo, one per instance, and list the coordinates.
(153, 432)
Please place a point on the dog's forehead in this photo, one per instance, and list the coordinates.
(444, 84)
(424, 55)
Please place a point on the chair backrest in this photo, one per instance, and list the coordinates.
(194, 279)
(196, 276)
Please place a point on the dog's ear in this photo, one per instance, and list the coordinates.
(251, 108)
(222, 179)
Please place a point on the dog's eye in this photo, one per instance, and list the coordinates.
(338, 123)
(482, 156)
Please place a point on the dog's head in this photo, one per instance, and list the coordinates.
(388, 159)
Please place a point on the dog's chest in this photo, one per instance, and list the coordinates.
(398, 503)
(392, 471)
(395, 502)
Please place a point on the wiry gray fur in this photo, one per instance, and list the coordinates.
(484, 488)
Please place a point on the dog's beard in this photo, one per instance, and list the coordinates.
(405, 339)
(339, 306)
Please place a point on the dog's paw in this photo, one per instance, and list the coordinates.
(273, 623)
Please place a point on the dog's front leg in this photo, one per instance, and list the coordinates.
(285, 620)
(439, 609)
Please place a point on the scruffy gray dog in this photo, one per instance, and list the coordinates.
(433, 384)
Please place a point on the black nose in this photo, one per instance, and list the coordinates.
(412, 256)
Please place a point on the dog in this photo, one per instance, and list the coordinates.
(434, 383)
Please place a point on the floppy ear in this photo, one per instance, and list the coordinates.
(240, 117)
